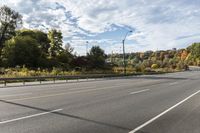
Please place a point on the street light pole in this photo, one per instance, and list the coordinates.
(87, 47)
(124, 60)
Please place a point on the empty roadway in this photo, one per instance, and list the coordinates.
(168, 103)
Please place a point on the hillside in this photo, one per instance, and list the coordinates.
(173, 59)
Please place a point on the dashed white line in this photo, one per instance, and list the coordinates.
(163, 113)
(136, 92)
(30, 116)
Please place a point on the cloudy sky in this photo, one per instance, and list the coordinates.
(156, 24)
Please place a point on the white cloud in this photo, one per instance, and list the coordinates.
(157, 23)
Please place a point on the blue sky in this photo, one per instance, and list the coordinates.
(156, 24)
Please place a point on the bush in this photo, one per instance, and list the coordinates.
(140, 68)
(154, 66)
(21, 51)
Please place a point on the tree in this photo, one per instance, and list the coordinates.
(9, 20)
(97, 57)
(195, 50)
(21, 51)
(184, 55)
(68, 48)
(39, 36)
(194, 56)
(80, 62)
(65, 58)
(56, 42)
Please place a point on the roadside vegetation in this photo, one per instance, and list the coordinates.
(29, 52)
(167, 61)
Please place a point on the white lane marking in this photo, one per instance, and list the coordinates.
(81, 88)
(163, 113)
(64, 93)
(30, 116)
(136, 92)
(59, 94)
(12, 95)
(173, 83)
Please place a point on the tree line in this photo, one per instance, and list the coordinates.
(172, 59)
(38, 49)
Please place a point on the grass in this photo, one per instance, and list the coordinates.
(25, 72)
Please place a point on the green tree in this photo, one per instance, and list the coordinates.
(65, 57)
(195, 50)
(97, 57)
(21, 51)
(194, 56)
(9, 20)
(56, 42)
(39, 36)
(80, 62)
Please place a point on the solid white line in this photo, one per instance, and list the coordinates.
(12, 95)
(161, 114)
(173, 83)
(136, 92)
(80, 88)
(30, 116)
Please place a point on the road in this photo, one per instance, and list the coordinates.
(168, 103)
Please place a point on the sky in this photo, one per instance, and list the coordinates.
(156, 24)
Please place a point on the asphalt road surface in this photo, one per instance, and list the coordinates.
(168, 103)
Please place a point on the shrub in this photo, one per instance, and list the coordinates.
(154, 66)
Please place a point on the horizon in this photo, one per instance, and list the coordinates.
(156, 25)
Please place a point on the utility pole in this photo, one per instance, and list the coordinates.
(124, 58)
(87, 47)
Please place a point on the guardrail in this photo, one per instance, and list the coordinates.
(54, 78)
(194, 68)
(67, 78)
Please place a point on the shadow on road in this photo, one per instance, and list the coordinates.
(67, 115)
